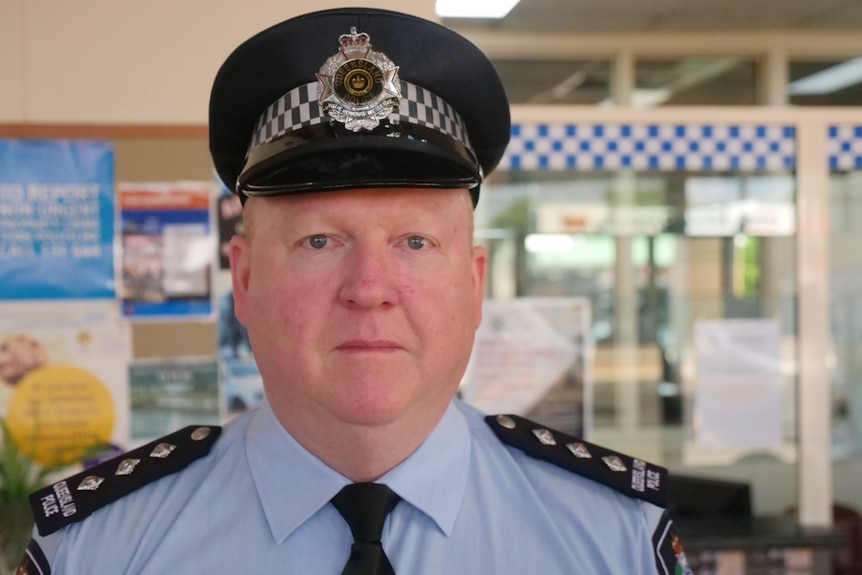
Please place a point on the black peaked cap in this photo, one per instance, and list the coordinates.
(273, 62)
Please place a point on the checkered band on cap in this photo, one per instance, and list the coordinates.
(299, 108)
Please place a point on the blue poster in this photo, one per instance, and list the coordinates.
(56, 219)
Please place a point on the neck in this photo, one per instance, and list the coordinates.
(360, 452)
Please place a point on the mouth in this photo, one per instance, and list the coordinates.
(369, 346)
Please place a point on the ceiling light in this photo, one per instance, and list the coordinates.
(555, 243)
(829, 80)
(650, 98)
(474, 8)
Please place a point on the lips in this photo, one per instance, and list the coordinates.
(369, 345)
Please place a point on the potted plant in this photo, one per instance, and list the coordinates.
(19, 476)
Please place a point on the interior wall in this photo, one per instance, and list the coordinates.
(162, 159)
(102, 62)
(12, 108)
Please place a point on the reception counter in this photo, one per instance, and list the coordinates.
(757, 546)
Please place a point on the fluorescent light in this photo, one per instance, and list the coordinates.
(650, 98)
(828, 80)
(554, 243)
(474, 8)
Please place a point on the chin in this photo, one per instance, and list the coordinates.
(377, 400)
(371, 410)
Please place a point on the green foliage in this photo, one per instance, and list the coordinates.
(515, 217)
(19, 474)
(751, 270)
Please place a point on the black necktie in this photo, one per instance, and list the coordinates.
(364, 507)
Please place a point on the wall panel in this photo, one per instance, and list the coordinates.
(101, 62)
(12, 95)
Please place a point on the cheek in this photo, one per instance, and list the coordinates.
(281, 302)
(272, 323)
(452, 308)
(266, 295)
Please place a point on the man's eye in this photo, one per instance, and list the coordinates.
(416, 242)
(318, 242)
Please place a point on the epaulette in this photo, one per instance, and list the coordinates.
(76, 497)
(628, 475)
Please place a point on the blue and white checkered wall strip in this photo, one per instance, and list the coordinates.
(845, 147)
(651, 146)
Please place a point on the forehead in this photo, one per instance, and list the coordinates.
(406, 199)
(414, 204)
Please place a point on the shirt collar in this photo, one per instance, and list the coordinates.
(434, 478)
(293, 484)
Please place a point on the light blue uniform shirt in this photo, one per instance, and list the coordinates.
(259, 503)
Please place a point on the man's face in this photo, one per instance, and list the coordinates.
(361, 305)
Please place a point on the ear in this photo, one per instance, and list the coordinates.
(240, 272)
(480, 270)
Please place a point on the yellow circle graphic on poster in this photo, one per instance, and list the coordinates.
(58, 412)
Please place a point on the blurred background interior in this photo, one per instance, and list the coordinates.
(678, 163)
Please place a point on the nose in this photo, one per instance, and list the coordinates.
(368, 280)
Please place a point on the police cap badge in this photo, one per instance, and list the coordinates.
(353, 98)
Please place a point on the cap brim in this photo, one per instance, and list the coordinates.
(298, 165)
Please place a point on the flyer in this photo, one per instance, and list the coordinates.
(169, 395)
(242, 384)
(229, 223)
(740, 394)
(63, 380)
(533, 357)
(167, 250)
(241, 380)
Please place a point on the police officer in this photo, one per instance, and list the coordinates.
(358, 140)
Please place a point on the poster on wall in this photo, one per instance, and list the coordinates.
(167, 250)
(241, 380)
(63, 380)
(242, 385)
(56, 220)
(739, 400)
(169, 395)
(229, 210)
(532, 357)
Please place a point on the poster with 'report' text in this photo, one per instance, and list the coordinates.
(56, 220)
